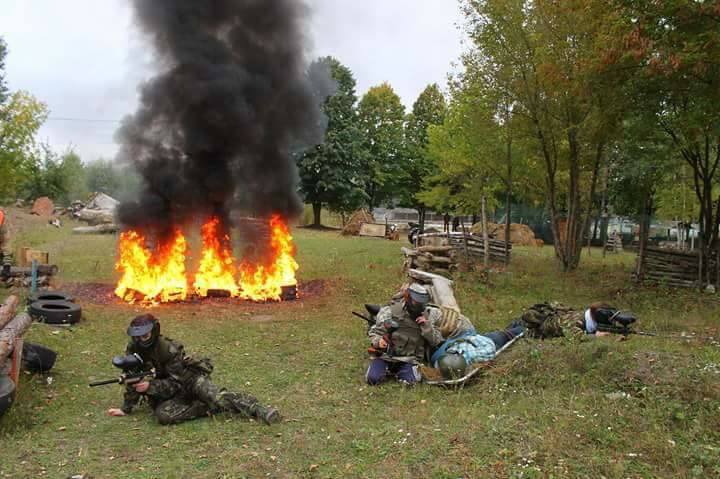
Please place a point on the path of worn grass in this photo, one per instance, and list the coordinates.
(647, 407)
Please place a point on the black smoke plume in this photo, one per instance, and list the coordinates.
(216, 130)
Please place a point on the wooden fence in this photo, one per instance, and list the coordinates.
(677, 268)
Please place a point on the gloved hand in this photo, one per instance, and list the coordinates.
(5, 273)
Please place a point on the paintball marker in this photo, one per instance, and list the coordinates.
(390, 326)
(132, 368)
(624, 330)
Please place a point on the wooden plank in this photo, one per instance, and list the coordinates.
(372, 229)
(15, 329)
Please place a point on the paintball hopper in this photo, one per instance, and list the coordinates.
(613, 317)
(128, 363)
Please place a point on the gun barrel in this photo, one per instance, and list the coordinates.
(362, 316)
(104, 382)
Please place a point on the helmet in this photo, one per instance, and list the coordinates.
(141, 326)
(416, 298)
(452, 365)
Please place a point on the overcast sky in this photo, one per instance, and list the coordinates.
(85, 59)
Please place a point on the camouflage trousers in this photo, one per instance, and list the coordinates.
(203, 398)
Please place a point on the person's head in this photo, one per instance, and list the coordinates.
(452, 365)
(416, 299)
(144, 330)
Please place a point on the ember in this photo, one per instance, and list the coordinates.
(151, 276)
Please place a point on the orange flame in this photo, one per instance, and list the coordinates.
(158, 277)
(264, 282)
(217, 266)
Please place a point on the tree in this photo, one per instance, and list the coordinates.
(676, 45)
(549, 58)
(20, 119)
(3, 84)
(428, 110)
(329, 171)
(382, 117)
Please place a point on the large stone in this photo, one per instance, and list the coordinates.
(43, 206)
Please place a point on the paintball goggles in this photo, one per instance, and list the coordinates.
(133, 371)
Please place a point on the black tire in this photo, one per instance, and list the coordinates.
(7, 393)
(55, 312)
(50, 296)
(37, 358)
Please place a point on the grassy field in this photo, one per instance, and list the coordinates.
(645, 407)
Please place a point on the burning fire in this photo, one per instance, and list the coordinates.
(217, 265)
(265, 281)
(156, 277)
(159, 275)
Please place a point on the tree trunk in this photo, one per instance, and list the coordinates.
(644, 233)
(421, 218)
(317, 209)
(7, 310)
(15, 329)
(486, 239)
(509, 179)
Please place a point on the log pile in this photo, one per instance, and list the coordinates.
(470, 245)
(674, 268)
(21, 277)
(440, 259)
(12, 327)
(443, 253)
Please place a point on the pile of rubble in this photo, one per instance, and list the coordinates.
(99, 213)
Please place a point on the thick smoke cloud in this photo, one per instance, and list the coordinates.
(217, 129)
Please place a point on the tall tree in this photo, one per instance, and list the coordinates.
(329, 172)
(428, 110)
(676, 43)
(20, 119)
(382, 117)
(548, 55)
(3, 84)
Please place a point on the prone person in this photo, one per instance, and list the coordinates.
(180, 388)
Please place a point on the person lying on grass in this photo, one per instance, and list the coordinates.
(181, 389)
(454, 356)
(553, 320)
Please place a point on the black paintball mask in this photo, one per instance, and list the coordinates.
(140, 327)
(417, 299)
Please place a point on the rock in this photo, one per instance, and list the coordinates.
(43, 206)
(710, 289)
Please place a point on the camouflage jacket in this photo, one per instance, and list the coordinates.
(173, 372)
(554, 320)
(411, 343)
(452, 324)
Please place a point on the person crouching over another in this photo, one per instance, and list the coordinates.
(402, 337)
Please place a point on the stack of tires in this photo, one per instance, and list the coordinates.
(53, 307)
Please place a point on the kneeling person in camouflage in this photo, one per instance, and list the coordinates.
(181, 389)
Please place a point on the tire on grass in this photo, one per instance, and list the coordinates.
(55, 312)
(7, 393)
(37, 358)
(50, 296)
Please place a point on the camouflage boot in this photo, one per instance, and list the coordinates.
(268, 415)
(248, 406)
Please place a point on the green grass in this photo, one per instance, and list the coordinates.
(542, 411)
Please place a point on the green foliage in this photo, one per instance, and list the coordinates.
(329, 172)
(3, 84)
(382, 117)
(60, 178)
(118, 181)
(20, 119)
(675, 45)
(429, 109)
